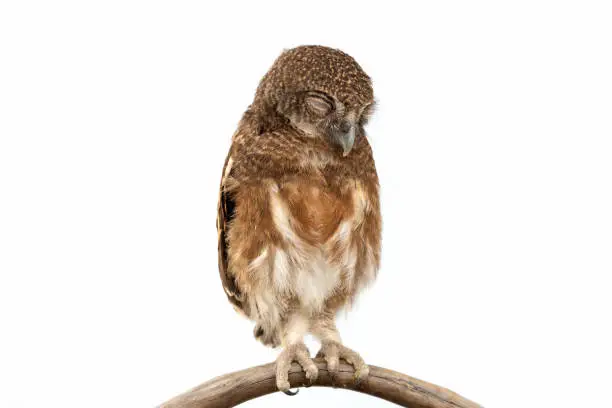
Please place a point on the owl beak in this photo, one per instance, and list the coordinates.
(347, 140)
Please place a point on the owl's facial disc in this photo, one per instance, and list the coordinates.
(318, 114)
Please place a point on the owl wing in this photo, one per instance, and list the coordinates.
(225, 213)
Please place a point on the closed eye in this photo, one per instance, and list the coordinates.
(319, 104)
(367, 113)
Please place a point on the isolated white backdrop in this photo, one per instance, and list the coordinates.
(493, 144)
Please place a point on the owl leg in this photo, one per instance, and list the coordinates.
(332, 349)
(294, 349)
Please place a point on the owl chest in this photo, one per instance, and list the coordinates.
(319, 248)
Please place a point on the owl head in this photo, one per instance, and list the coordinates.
(320, 91)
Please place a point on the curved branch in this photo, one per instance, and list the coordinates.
(232, 389)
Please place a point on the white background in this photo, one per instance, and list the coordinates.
(493, 141)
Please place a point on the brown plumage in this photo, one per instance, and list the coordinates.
(299, 217)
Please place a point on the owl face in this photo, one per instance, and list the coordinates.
(321, 91)
(318, 114)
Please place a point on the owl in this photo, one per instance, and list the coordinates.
(299, 220)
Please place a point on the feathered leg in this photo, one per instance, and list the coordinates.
(332, 349)
(294, 349)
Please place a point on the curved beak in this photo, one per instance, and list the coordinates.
(346, 140)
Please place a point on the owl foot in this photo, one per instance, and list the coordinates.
(294, 352)
(333, 351)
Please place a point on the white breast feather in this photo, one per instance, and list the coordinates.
(303, 269)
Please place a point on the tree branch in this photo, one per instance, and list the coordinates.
(232, 389)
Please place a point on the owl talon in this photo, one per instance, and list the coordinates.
(333, 352)
(312, 372)
(361, 375)
(292, 393)
(295, 352)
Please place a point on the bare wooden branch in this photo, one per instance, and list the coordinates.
(234, 388)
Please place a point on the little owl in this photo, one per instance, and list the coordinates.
(299, 217)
